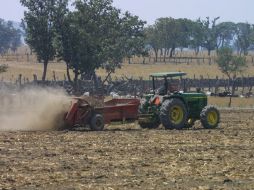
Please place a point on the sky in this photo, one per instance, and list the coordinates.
(150, 10)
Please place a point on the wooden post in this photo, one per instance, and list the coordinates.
(54, 76)
(243, 85)
(27, 57)
(217, 84)
(20, 80)
(35, 78)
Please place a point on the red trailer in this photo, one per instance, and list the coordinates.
(115, 110)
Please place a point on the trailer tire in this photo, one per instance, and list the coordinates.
(97, 122)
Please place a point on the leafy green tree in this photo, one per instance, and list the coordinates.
(10, 37)
(95, 35)
(225, 33)
(196, 36)
(184, 27)
(209, 29)
(3, 68)
(169, 33)
(231, 66)
(38, 24)
(153, 39)
(16, 40)
(66, 37)
(131, 40)
(243, 41)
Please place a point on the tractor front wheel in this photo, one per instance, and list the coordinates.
(173, 114)
(97, 122)
(210, 117)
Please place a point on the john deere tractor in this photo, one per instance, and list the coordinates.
(175, 109)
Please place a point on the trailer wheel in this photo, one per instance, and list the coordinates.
(97, 122)
(173, 114)
(210, 117)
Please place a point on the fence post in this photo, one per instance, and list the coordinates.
(20, 80)
(35, 78)
(210, 60)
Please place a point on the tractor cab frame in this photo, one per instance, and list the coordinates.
(167, 87)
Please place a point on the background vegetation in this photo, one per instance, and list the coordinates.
(95, 37)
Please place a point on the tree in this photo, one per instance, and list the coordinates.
(225, 33)
(131, 37)
(16, 40)
(38, 24)
(3, 68)
(65, 35)
(153, 39)
(184, 34)
(244, 33)
(168, 32)
(231, 66)
(10, 38)
(95, 35)
(196, 36)
(209, 29)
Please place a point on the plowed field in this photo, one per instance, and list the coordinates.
(127, 157)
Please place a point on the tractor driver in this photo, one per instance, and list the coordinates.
(163, 89)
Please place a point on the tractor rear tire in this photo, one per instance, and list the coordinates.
(97, 122)
(210, 117)
(173, 114)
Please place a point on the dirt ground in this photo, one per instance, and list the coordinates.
(127, 157)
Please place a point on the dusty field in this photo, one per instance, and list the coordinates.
(128, 157)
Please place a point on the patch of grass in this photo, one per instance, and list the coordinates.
(236, 102)
(133, 70)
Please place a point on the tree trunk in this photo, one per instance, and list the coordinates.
(232, 92)
(172, 51)
(165, 54)
(161, 52)
(45, 67)
(209, 52)
(68, 72)
(129, 60)
(196, 51)
(156, 55)
(95, 80)
(76, 74)
(167, 51)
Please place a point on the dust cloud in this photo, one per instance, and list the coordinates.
(33, 109)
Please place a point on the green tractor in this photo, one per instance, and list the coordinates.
(175, 109)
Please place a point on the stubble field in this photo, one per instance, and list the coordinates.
(127, 157)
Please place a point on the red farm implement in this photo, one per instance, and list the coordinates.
(82, 113)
